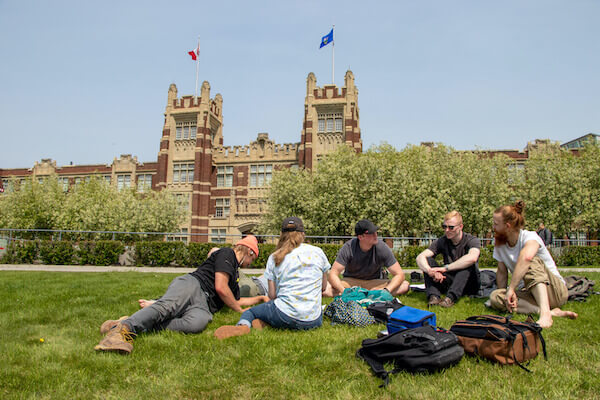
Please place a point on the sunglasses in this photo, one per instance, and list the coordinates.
(451, 227)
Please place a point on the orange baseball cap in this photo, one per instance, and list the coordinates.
(250, 242)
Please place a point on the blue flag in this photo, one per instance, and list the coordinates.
(327, 39)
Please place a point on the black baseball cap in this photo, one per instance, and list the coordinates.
(365, 226)
(292, 224)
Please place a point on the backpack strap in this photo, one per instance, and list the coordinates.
(377, 368)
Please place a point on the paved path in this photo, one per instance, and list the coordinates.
(172, 270)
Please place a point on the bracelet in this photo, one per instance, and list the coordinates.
(446, 267)
(387, 290)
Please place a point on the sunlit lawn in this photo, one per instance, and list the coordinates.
(66, 310)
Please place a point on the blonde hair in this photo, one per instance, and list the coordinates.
(513, 214)
(288, 241)
(453, 214)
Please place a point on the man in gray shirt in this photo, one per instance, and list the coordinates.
(362, 260)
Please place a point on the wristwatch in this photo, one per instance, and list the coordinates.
(446, 267)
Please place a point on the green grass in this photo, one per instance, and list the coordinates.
(66, 310)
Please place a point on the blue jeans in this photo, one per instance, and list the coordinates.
(269, 313)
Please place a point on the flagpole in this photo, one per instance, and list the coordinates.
(197, 64)
(333, 56)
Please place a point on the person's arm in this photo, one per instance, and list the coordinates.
(398, 278)
(334, 276)
(501, 276)
(250, 301)
(324, 284)
(422, 261)
(224, 292)
(272, 290)
(523, 262)
(464, 262)
(423, 264)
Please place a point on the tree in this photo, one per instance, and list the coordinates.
(90, 206)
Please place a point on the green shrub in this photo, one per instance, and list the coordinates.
(264, 251)
(198, 252)
(486, 259)
(103, 252)
(574, 256)
(407, 256)
(159, 254)
(56, 253)
(20, 252)
(330, 251)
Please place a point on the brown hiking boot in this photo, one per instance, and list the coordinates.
(434, 301)
(119, 339)
(259, 324)
(111, 323)
(446, 303)
(227, 331)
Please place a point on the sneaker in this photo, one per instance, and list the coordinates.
(227, 331)
(434, 301)
(119, 339)
(111, 323)
(446, 303)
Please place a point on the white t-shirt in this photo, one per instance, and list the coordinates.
(509, 255)
(299, 281)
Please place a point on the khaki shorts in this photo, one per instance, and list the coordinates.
(537, 273)
(371, 284)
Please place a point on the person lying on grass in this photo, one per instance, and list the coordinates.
(297, 276)
(190, 300)
(525, 255)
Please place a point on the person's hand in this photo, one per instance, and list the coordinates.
(438, 277)
(511, 300)
(441, 270)
(265, 299)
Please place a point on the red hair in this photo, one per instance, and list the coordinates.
(513, 215)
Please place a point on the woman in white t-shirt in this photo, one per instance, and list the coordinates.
(297, 275)
(524, 254)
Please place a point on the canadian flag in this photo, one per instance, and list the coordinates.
(195, 53)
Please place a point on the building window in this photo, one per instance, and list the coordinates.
(123, 181)
(144, 182)
(64, 182)
(107, 179)
(222, 209)
(7, 186)
(260, 175)
(181, 236)
(185, 130)
(183, 200)
(225, 176)
(183, 172)
(218, 235)
(330, 122)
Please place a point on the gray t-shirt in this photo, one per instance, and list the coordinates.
(365, 265)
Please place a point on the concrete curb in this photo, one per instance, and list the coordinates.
(173, 270)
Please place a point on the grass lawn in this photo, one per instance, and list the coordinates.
(66, 310)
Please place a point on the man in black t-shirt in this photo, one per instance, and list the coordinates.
(190, 300)
(460, 274)
(362, 260)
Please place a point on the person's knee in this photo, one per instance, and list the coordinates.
(402, 289)
(497, 299)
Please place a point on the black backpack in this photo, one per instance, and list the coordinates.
(422, 349)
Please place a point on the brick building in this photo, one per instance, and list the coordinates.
(223, 187)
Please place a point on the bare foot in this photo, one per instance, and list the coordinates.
(545, 320)
(146, 303)
(227, 331)
(259, 324)
(557, 312)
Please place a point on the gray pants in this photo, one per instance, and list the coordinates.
(182, 308)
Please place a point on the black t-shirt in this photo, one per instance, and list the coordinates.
(365, 265)
(452, 252)
(223, 260)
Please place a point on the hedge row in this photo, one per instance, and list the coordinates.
(63, 252)
(192, 255)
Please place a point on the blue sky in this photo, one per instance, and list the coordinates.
(86, 81)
